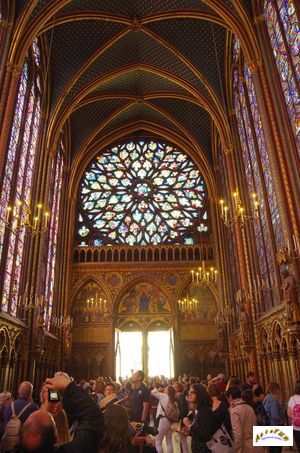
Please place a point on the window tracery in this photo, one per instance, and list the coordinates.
(55, 203)
(283, 26)
(141, 193)
(258, 172)
(18, 177)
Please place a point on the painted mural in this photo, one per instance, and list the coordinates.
(142, 299)
(205, 309)
(90, 305)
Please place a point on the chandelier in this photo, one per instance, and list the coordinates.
(204, 276)
(188, 305)
(21, 217)
(96, 304)
(239, 213)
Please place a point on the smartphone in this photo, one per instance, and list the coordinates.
(53, 396)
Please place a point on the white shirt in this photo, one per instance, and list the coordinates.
(163, 402)
(295, 399)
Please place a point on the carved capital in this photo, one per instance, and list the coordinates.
(228, 149)
(5, 24)
(259, 19)
(15, 69)
(254, 65)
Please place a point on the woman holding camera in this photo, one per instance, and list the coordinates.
(55, 409)
(164, 426)
(201, 428)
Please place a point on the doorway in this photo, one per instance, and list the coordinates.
(150, 350)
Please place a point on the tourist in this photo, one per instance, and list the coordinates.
(98, 391)
(183, 412)
(202, 427)
(294, 413)
(38, 433)
(117, 436)
(258, 393)
(24, 399)
(242, 419)
(59, 416)
(5, 400)
(165, 397)
(140, 398)
(273, 409)
(220, 408)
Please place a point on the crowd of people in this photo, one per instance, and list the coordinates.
(137, 414)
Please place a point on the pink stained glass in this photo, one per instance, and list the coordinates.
(25, 148)
(53, 235)
(252, 175)
(265, 161)
(284, 33)
(11, 155)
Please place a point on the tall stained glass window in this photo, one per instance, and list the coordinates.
(284, 31)
(141, 193)
(18, 177)
(258, 173)
(55, 202)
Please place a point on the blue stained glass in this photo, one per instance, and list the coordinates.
(284, 33)
(141, 193)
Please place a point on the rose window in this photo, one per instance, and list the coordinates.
(143, 193)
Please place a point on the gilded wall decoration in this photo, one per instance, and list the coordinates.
(205, 310)
(143, 298)
(90, 305)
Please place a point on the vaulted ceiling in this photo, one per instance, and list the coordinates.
(119, 63)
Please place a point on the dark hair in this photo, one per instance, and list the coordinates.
(116, 437)
(247, 396)
(234, 392)
(171, 393)
(110, 384)
(273, 388)
(214, 390)
(203, 399)
(250, 374)
(297, 388)
(141, 373)
(180, 386)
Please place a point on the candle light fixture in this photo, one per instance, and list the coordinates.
(21, 216)
(204, 276)
(188, 305)
(239, 213)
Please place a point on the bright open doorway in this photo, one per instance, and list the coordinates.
(158, 360)
(128, 353)
(160, 353)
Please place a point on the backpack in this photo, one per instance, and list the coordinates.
(296, 414)
(171, 411)
(11, 436)
(262, 416)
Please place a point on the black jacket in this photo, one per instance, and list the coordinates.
(201, 430)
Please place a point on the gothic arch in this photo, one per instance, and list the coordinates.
(149, 281)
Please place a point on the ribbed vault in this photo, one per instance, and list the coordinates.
(114, 64)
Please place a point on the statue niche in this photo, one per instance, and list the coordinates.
(290, 297)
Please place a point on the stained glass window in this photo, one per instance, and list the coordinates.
(140, 193)
(284, 31)
(55, 197)
(18, 180)
(236, 48)
(258, 173)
